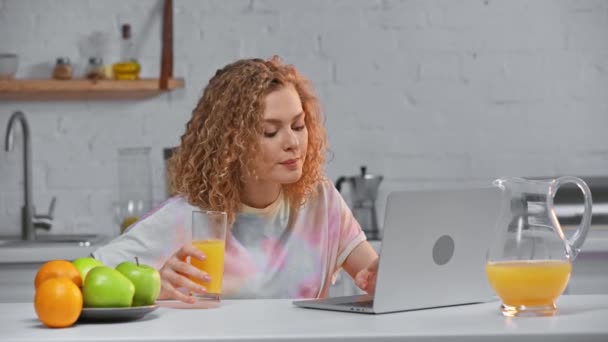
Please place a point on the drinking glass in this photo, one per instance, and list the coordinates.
(209, 236)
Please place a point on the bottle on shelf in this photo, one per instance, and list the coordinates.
(128, 67)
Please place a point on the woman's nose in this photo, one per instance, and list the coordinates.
(291, 140)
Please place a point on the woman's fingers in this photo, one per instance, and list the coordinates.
(371, 284)
(187, 269)
(189, 251)
(177, 273)
(178, 280)
(366, 278)
(371, 277)
(361, 279)
(170, 283)
(169, 291)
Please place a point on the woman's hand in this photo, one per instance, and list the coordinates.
(176, 271)
(366, 278)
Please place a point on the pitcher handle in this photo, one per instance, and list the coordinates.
(576, 241)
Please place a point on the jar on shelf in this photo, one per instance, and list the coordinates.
(95, 69)
(63, 69)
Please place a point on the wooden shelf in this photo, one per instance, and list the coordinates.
(81, 89)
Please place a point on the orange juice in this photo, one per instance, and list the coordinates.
(529, 283)
(212, 265)
(127, 222)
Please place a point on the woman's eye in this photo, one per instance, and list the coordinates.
(270, 134)
(299, 128)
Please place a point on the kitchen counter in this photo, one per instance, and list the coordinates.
(41, 254)
(19, 264)
(581, 318)
(45, 251)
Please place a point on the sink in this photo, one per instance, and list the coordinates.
(70, 240)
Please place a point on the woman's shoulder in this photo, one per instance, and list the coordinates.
(325, 191)
(324, 186)
(170, 204)
(175, 206)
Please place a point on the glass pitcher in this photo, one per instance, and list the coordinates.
(530, 260)
(134, 185)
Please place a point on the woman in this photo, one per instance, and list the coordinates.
(254, 148)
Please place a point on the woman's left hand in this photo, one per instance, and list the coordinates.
(366, 278)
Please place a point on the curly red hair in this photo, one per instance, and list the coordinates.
(218, 149)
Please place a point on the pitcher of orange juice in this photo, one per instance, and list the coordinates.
(530, 260)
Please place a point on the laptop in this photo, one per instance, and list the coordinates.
(433, 252)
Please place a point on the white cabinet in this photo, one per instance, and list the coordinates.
(17, 282)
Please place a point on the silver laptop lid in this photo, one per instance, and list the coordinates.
(434, 248)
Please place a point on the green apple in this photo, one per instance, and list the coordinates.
(105, 287)
(146, 280)
(84, 265)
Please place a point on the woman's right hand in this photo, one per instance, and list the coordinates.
(175, 274)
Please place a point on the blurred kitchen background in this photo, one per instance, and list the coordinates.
(428, 93)
(425, 93)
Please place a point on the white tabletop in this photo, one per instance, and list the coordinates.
(581, 318)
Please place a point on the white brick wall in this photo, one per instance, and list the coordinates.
(428, 93)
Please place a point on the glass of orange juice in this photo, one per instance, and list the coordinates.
(209, 236)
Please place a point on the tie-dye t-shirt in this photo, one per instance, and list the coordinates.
(263, 258)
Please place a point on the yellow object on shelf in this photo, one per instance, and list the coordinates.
(126, 70)
(128, 67)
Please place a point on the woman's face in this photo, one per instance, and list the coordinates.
(283, 139)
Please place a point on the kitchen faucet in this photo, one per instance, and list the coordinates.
(29, 220)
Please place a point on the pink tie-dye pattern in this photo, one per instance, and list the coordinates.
(236, 259)
(332, 222)
(309, 288)
(275, 252)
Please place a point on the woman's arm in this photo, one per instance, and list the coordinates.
(359, 259)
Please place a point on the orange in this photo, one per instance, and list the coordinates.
(58, 302)
(58, 268)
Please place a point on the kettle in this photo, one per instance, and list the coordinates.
(364, 192)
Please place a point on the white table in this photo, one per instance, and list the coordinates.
(581, 318)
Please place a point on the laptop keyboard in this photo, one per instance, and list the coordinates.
(360, 304)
